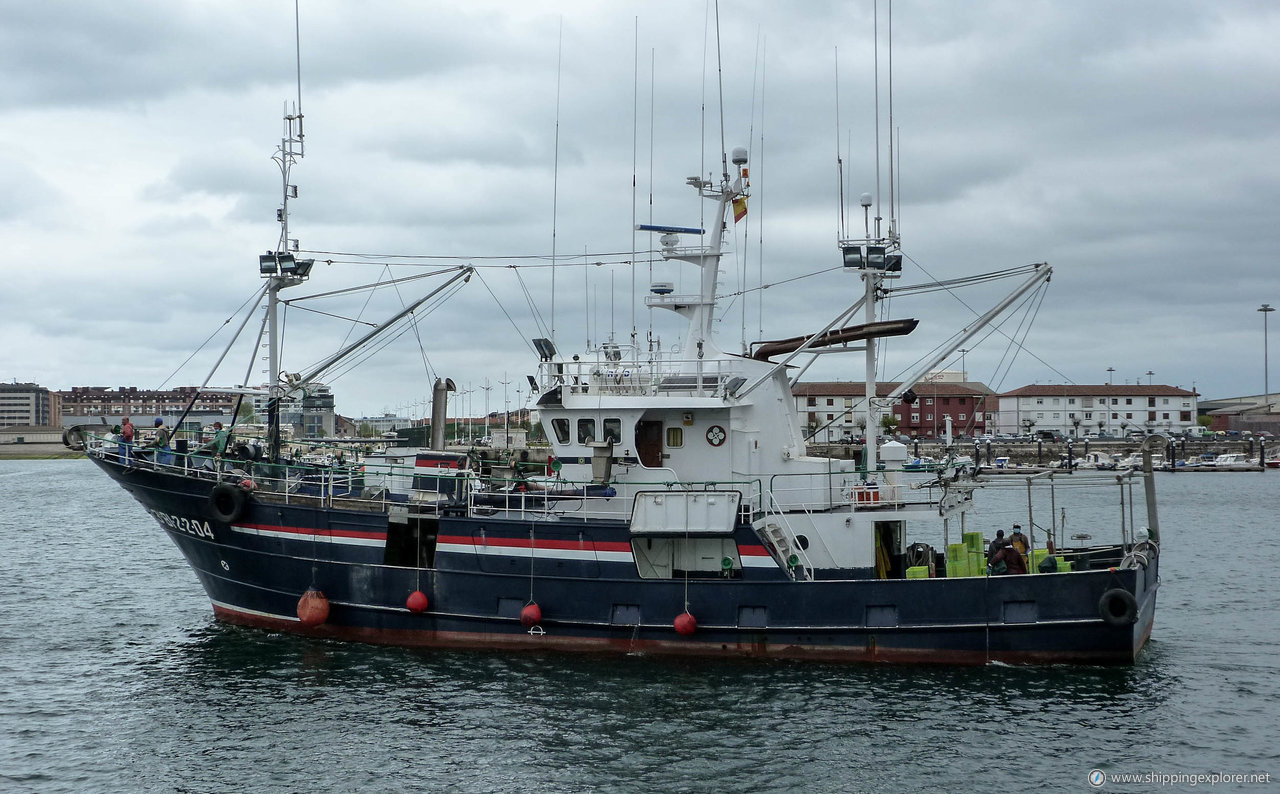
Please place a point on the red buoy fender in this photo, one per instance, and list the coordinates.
(313, 608)
(685, 624)
(531, 615)
(417, 602)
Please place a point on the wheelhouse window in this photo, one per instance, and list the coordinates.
(613, 430)
(561, 429)
(586, 431)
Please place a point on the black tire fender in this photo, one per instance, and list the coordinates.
(227, 502)
(1118, 607)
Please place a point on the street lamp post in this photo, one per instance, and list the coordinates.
(1266, 309)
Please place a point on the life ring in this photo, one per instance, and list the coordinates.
(1118, 607)
(227, 502)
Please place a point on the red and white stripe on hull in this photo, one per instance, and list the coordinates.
(581, 550)
(756, 557)
(547, 548)
(349, 537)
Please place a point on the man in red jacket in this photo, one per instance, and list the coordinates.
(126, 441)
(1012, 560)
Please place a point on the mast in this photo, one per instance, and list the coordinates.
(279, 267)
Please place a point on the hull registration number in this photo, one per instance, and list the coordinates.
(191, 526)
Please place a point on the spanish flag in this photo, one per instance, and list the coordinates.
(739, 209)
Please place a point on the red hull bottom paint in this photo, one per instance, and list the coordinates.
(460, 640)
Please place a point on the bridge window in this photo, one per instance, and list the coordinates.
(586, 431)
(613, 430)
(561, 428)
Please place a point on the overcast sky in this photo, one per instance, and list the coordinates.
(1134, 146)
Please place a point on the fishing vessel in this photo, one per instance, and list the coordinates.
(679, 511)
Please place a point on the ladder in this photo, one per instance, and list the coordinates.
(779, 535)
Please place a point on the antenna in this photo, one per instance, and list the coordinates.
(724, 154)
(635, 136)
(297, 54)
(839, 159)
(759, 171)
(876, 72)
(555, 182)
(893, 231)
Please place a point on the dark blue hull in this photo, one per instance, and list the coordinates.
(478, 572)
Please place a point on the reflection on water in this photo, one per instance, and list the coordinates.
(609, 723)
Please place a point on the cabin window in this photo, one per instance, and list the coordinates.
(675, 436)
(561, 428)
(613, 430)
(586, 431)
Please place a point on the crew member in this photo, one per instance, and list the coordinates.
(164, 456)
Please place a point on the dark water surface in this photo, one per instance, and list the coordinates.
(115, 677)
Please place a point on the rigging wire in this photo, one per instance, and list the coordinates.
(493, 260)
(255, 299)
(533, 305)
(426, 362)
(334, 316)
(367, 299)
(520, 334)
(778, 283)
(348, 365)
(374, 286)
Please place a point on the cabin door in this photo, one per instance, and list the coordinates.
(649, 443)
